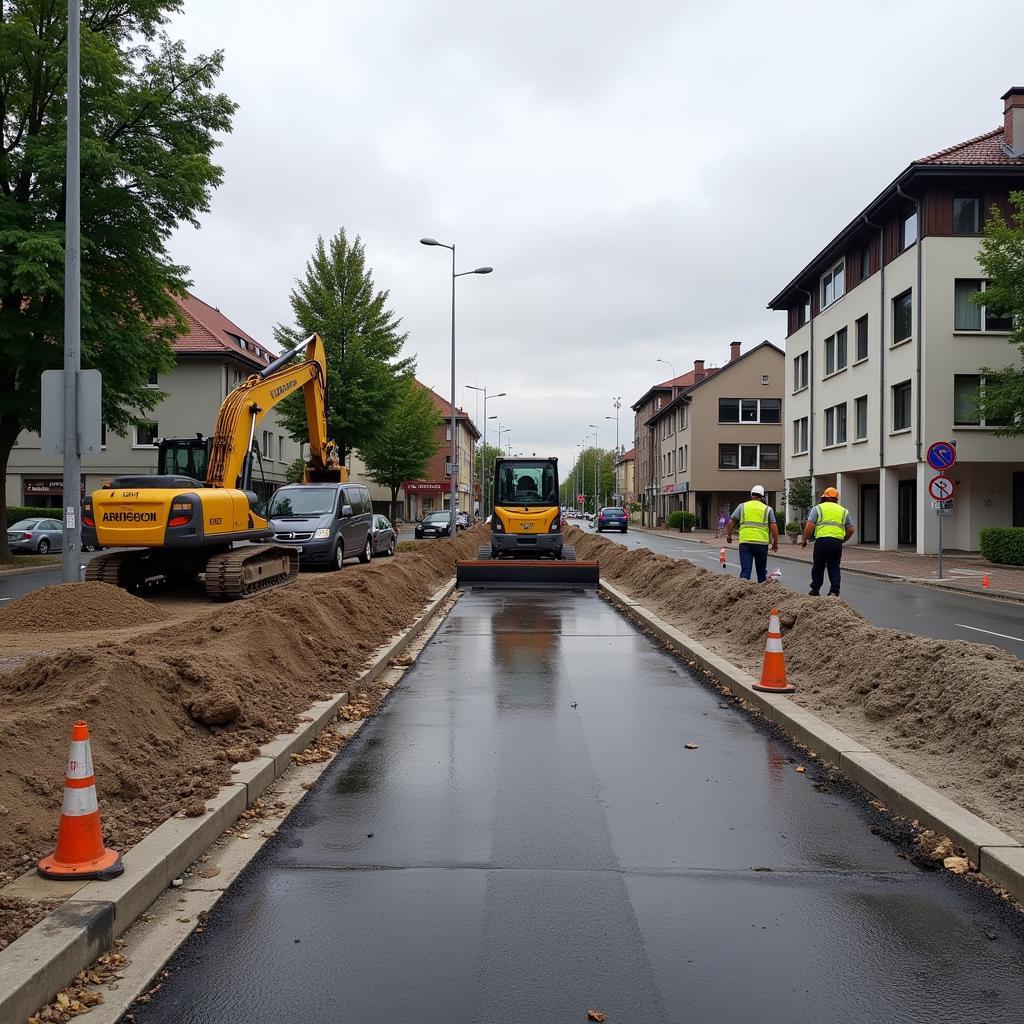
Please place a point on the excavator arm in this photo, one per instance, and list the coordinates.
(231, 444)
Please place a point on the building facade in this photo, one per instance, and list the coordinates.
(625, 483)
(213, 357)
(885, 346)
(433, 492)
(722, 435)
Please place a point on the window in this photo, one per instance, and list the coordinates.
(800, 436)
(448, 432)
(966, 387)
(901, 406)
(265, 449)
(835, 425)
(103, 435)
(748, 456)
(966, 215)
(835, 352)
(861, 330)
(448, 466)
(684, 416)
(280, 447)
(684, 458)
(153, 381)
(800, 372)
(902, 317)
(865, 261)
(146, 434)
(968, 316)
(803, 312)
(749, 410)
(860, 417)
(764, 378)
(908, 229)
(833, 284)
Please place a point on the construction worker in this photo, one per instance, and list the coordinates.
(831, 527)
(757, 525)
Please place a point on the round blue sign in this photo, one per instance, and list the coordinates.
(941, 455)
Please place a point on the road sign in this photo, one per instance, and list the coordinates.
(580, 498)
(941, 488)
(941, 455)
(943, 508)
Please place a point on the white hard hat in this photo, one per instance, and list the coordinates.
(758, 490)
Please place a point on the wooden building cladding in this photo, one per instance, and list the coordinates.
(936, 218)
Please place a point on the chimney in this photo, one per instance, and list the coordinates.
(698, 370)
(734, 351)
(1013, 120)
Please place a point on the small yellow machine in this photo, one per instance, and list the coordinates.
(527, 546)
(197, 514)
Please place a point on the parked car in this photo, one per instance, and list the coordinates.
(327, 522)
(36, 535)
(383, 535)
(434, 524)
(612, 518)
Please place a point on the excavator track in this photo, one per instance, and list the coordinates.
(124, 569)
(248, 571)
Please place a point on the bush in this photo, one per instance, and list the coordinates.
(1003, 545)
(681, 520)
(794, 529)
(18, 512)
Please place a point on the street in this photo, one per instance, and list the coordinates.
(521, 835)
(923, 610)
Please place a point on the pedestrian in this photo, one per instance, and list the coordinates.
(831, 527)
(720, 522)
(757, 526)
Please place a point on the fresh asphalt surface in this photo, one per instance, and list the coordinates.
(520, 835)
(926, 611)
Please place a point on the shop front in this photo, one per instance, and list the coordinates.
(423, 496)
(45, 492)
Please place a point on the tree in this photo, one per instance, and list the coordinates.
(800, 499)
(337, 299)
(582, 476)
(483, 473)
(295, 471)
(406, 439)
(1001, 400)
(148, 128)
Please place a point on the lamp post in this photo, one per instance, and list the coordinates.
(617, 404)
(670, 366)
(593, 426)
(483, 477)
(453, 500)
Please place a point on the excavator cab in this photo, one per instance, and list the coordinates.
(183, 456)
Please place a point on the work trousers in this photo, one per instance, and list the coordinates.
(828, 553)
(753, 555)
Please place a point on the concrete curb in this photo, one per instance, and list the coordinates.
(997, 855)
(4, 573)
(49, 955)
(1002, 595)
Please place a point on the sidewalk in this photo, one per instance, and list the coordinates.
(961, 571)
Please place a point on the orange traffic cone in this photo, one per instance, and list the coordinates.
(80, 851)
(721, 556)
(984, 582)
(773, 668)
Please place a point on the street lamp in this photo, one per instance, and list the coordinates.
(617, 404)
(594, 427)
(500, 394)
(455, 464)
(669, 365)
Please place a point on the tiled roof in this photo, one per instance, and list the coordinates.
(686, 380)
(212, 333)
(984, 149)
(444, 407)
(629, 456)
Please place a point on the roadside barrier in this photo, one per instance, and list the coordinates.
(80, 851)
(773, 668)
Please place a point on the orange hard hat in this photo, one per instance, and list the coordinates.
(830, 492)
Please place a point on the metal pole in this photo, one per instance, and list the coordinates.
(72, 309)
(483, 454)
(939, 512)
(455, 466)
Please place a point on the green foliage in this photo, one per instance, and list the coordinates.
(407, 545)
(1003, 545)
(149, 122)
(635, 506)
(580, 479)
(406, 438)
(794, 529)
(15, 513)
(337, 299)
(483, 473)
(681, 520)
(295, 472)
(801, 497)
(1001, 256)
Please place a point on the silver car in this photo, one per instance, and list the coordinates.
(36, 535)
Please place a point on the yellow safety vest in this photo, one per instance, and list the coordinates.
(753, 523)
(831, 520)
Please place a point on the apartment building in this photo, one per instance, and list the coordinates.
(433, 492)
(721, 435)
(214, 356)
(884, 349)
(625, 483)
(646, 463)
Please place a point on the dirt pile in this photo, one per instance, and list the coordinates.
(948, 711)
(250, 668)
(70, 607)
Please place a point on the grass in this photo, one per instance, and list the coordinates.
(26, 561)
(407, 545)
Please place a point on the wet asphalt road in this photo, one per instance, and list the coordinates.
(926, 611)
(520, 835)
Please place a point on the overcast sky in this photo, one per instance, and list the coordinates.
(643, 178)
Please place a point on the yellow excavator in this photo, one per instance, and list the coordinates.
(197, 514)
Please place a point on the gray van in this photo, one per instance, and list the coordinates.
(327, 522)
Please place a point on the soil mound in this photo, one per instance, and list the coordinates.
(169, 712)
(948, 711)
(71, 607)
